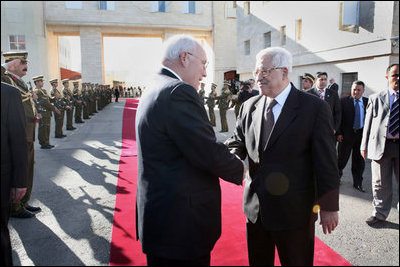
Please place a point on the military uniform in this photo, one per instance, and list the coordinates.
(78, 103)
(21, 209)
(202, 93)
(223, 105)
(69, 99)
(60, 104)
(211, 104)
(45, 108)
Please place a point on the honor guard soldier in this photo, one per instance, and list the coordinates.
(78, 103)
(46, 108)
(85, 99)
(16, 70)
(212, 96)
(202, 92)
(60, 104)
(223, 105)
(68, 95)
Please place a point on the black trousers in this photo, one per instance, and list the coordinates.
(6, 253)
(157, 261)
(295, 247)
(352, 147)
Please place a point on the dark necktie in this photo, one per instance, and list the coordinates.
(394, 116)
(320, 92)
(268, 124)
(357, 119)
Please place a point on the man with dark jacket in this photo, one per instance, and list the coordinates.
(287, 135)
(329, 96)
(350, 133)
(14, 161)
(179, 163)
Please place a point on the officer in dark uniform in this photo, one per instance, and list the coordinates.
(78, 103)
(212, 96)
(223, 105)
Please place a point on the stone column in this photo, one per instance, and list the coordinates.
(92, 55)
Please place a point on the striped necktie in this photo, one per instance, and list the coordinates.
(394, 116)
(320, 93)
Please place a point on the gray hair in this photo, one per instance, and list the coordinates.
(177, 44)
(280, 57)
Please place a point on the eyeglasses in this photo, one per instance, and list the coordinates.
(264, 73)
(204, 62)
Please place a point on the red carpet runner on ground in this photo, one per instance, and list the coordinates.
(230, 250)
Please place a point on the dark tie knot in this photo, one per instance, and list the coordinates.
(271, 104)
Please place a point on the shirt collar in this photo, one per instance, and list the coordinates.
(173, 72)
(281, 98)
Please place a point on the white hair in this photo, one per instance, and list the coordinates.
(177, 44)
(280, 57)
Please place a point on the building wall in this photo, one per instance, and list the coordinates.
(26, 18)
(323, 47)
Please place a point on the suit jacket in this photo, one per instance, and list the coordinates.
(375, 125)
(298, 167)
(348, 113)
(179, 162)
(333, 100)
(334, 87)
(14, 148)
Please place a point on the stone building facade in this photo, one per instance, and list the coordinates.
(349, 40)
(42, 22)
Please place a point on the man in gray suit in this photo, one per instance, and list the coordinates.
(381, 141)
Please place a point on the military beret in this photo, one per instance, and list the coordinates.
(309, 77)
(38, 78)
(9, 56)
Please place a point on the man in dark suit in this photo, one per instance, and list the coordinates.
(350, 133)
(292, 165)
(329, 96)
(14, 161)
(179, 162)
(333, 86)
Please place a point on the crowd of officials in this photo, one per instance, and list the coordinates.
(297, 143)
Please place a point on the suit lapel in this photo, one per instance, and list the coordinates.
(288, 114)
(384, 97)
(258, 118)
(168, 73)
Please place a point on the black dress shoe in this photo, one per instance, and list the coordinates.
(71, 129)
(373, 220)
(59, 136)
(359, 188)
(51, 146)
(45, 147)
(24, 215)
(62, 136)
(33, 209)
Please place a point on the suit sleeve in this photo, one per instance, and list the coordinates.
(337, 112)
(17, 140)
(367, 125)
(325, 163)
(237, 143)
(190, 129)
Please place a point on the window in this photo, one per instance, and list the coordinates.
(349, 16)
(191, 7)
(283, 35)
(246, 8)
(73, 4)
(247, 47)
(267, 39)
(107, 5)
(298, 29)
(347, 81)
(17, 42)
(160, 6)
(230, 9)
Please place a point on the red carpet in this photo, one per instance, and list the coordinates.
(231, 248)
